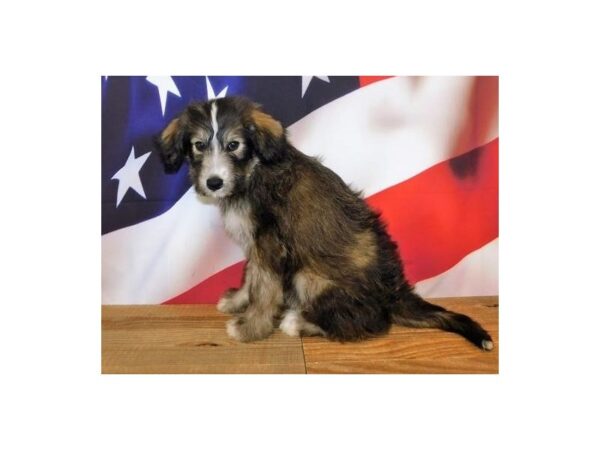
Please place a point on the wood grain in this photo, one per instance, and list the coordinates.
(410, 350)
(192, 339)
(188, 339)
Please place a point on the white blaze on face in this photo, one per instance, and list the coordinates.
(215, 124)
(217, 163)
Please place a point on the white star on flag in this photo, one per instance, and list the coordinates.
(210, 92)
(164, 85)
(129, 176)
(307, 79)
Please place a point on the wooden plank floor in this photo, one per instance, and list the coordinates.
(188, 339)
(410, 350)
(192, 339)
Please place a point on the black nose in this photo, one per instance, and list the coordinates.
(214, 183)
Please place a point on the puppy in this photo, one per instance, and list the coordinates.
(319, 261)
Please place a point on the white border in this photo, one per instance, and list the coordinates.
(54, 54)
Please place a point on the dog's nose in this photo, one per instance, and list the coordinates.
(214, 183)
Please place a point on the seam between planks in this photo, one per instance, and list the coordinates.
(303, 355)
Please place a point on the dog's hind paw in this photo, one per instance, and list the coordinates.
(291, 323)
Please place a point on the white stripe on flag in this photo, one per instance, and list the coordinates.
(162, 257)
(391, 130)
(374, 137)
(476, 274)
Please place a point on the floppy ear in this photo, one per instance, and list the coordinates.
(267, 136)
(171, 146)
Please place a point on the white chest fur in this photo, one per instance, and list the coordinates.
(238, 225)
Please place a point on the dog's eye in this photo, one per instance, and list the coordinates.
(233, 145)
(200, 145)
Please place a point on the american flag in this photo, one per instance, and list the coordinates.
(423, 150)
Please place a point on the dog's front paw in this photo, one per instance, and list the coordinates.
(233, 301)
(232, 328)
(226, 305)
(243, 330)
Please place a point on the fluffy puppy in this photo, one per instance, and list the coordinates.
(319, 261)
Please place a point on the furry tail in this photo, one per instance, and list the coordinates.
(413, 311)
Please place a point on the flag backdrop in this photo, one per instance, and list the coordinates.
(423, 150)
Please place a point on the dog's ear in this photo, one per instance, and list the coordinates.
(170, 145)
(267, 136)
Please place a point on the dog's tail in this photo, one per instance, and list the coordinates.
(413, 311)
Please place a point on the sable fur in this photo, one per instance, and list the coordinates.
(316, 253)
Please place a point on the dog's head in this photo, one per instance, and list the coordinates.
(223, 140)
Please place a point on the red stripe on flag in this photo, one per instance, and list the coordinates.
(444, 213)
(437, 218)
(366, 80)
